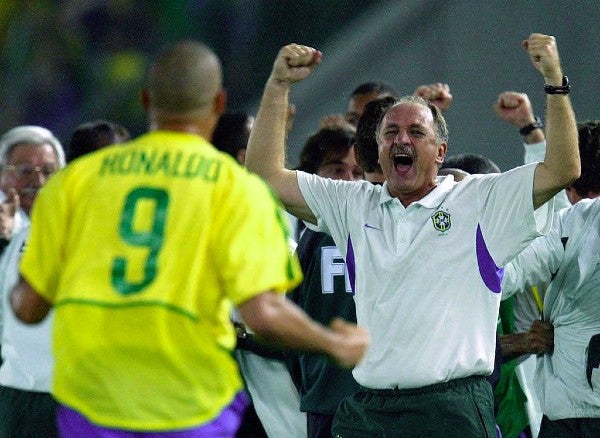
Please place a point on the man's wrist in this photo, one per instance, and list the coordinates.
(564, 88)
(278, 83)
(527, 129)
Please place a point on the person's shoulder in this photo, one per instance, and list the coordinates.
(350, 187)
(240, 185)
(584, 208)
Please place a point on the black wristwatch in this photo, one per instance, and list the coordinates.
(537, 124)
(565, 88)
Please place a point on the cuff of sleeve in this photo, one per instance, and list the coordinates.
(534, 152)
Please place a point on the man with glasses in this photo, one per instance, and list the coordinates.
(29, 155)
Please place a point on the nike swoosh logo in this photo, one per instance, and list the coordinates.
(372, 227)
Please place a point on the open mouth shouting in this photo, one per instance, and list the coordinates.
(403, 160)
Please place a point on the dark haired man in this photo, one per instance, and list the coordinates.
(325, 292)
(363, 94)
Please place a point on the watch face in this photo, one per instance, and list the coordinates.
(525, 130)
(565, 88)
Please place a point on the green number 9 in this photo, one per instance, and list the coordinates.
(152, 238)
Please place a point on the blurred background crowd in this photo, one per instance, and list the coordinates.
(63, 62)
(67, 61)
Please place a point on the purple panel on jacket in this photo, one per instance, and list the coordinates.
(490, 273)
(350, 265)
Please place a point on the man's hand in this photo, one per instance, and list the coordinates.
(438, 94)
(514, 108)
(294, 62)
(544, 56)
(29, 306)
(540, 337)
(352, 344)
(538, 340)
(8, 209)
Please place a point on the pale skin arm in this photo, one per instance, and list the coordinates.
(561, 165)
(265, 154)
(278, 321)
(29, 306)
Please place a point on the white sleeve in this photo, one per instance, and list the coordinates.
(502, 197)
(534, 152)
(536, 264)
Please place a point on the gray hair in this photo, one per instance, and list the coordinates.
(30, 134)
(441, 129)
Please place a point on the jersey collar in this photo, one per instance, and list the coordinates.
(431, 200)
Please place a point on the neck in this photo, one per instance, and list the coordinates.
(375, 177)
(407, 198)
(201, 126)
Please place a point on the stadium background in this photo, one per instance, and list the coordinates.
(64, 62)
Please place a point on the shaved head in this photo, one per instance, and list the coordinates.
(184, 79)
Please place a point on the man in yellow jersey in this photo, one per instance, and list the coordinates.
(142, 250)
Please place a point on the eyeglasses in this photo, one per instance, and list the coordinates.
(28, 171)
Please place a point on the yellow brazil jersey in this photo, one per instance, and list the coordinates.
(141, 247)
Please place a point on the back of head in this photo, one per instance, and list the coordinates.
(91, 136)
(589, 151)
(325, 144)
(375, 87)
(184, 79)
(471, 163)
(232, 132)
(366, 137)
(362, 95)
(29, 134)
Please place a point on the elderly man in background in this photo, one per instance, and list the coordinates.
(29, 156)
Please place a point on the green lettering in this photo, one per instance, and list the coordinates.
(108, 164)
(213, 171)
(192, 168)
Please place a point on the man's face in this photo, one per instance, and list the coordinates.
(27, 169)
(409, 151)
(341, 167)
(356, 106)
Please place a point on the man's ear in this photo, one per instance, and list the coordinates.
(572, 195)
(356, 154)
(220, 102)
(442, 149)
(145, 98)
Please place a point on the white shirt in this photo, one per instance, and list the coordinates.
(571, 304)
(26, 349)
(527, 304)
(426, 281)
(21, 222)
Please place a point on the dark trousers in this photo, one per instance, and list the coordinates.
(318, 425)
(27, 414)
(570, 428)
(461, 408)
(251, 427)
